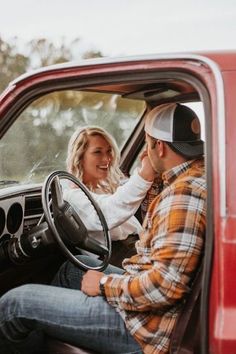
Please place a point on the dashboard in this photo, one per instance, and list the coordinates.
(11, 217)
(28, 249)
(20, 211)
(22, 258)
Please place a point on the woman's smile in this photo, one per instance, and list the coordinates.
(96, 160)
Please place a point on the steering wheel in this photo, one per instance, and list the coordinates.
(67, 227)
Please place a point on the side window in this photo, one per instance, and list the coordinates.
(37, 141)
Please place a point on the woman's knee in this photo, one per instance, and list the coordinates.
(70, 276)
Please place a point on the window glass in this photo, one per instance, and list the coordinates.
(37, 141)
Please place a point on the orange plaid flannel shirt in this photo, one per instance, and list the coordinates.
(149, 294)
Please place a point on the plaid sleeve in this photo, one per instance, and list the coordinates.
(168, 253)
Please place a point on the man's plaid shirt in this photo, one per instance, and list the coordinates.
(148, 295)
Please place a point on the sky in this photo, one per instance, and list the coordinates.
(124, 27)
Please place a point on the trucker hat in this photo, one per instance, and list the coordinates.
(179, 126)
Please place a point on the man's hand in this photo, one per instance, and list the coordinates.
(90, 283)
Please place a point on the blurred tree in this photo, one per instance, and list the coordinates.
(12, 63)
(37, 53)
(92, 54)
(44, 52)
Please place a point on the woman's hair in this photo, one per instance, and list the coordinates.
(76, 148)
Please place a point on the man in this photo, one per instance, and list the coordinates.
(135, 310)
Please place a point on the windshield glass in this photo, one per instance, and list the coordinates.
(36, 144)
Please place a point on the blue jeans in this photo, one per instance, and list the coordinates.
(32, 312)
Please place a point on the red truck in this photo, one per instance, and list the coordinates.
(40, 110)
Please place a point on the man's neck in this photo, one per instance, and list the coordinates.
(174, 161)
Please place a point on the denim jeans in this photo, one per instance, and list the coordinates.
(32, 312)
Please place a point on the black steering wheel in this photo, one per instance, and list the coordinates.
(67, 227)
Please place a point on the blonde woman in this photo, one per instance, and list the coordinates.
(93, 157)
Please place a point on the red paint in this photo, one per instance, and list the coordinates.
(222, 297)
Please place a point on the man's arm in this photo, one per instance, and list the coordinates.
(177, 241)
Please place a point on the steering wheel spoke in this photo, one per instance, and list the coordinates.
(66, 225)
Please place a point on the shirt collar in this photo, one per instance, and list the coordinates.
(170, 175)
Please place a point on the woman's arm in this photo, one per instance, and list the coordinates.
(129, 227)
(117, 208)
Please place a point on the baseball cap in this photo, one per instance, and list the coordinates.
(179, 126)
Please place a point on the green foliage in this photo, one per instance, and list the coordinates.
(37, 53)
(12, 63)
(44, 52)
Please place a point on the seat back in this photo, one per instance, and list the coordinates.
(185, 338)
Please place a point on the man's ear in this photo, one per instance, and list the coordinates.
(160, 147)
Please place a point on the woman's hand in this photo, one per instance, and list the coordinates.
(146, 171)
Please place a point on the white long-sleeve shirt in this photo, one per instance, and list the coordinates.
(118, 208)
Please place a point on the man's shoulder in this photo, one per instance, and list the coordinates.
(186, 184)
(190, 181)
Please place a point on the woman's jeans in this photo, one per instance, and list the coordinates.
(30, 313)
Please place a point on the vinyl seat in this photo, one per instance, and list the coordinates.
(57, 347)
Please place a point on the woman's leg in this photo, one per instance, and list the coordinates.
(70, 276)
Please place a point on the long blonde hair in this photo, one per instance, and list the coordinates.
(77, 146)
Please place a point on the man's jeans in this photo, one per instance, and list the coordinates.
(31, 312)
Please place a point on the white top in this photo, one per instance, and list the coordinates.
(118, 208)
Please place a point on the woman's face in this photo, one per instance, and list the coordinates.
(96, 160)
